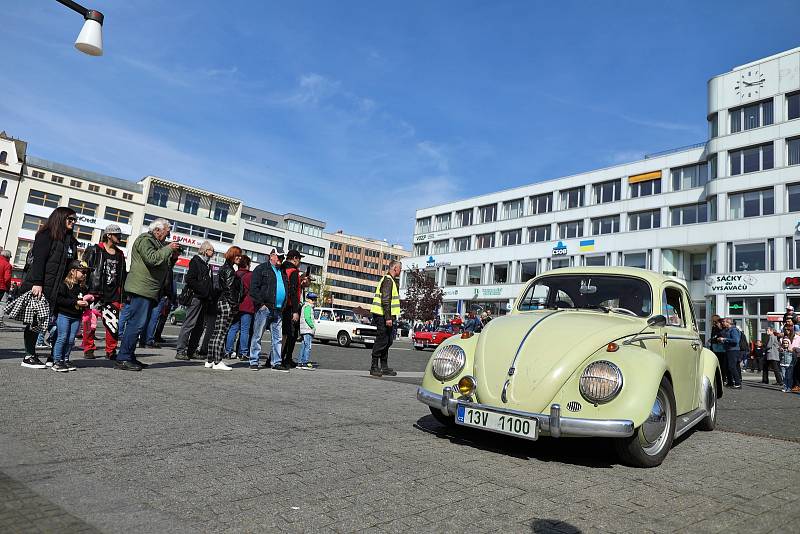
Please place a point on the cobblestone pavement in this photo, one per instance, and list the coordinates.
(178, 448)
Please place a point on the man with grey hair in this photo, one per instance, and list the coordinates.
(196, 295)
(151, 261)
(5, 275)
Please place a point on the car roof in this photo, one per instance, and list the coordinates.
(655, 279)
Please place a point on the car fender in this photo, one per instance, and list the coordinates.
(431, 383)
(709, 369)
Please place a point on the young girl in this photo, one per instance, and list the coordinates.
(787, 363)
(70, 305)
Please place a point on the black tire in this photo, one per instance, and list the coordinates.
(172, 320)
(442, 418)
(638, 450)
(343, 339)
(709, 422)
(419, 348)
(325, 341)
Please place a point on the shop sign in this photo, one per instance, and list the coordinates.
(560, 249)
(186, 240)
(431, 235)
(432, 263)
(83, 220)
(730, 283)
(797, 227)
(792, 281)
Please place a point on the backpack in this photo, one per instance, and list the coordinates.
(744, 345)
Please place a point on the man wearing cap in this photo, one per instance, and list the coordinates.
(291, 310)
(106, 281)
(790, 315)
(268, 290)
(385, 310)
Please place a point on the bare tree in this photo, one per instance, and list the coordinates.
(423, 297)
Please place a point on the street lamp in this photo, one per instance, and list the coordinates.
(90, 40)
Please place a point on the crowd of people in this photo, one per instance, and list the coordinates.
(62, 293)
(474, 323)
(778, 354)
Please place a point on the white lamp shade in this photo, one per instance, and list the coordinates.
(90, 40)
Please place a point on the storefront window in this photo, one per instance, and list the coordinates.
(735, 306)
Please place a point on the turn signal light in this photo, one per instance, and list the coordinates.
(612, 347)
(466, 335)
(467, 385)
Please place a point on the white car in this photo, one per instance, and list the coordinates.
(343, 326)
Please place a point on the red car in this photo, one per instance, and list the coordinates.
(424, 340)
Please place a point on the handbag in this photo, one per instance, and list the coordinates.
(187, 294)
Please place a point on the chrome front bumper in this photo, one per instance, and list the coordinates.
(551, 424)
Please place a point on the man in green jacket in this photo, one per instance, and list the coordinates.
(151, 261)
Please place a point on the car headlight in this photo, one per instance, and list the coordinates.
(600, 382)
(448, 362)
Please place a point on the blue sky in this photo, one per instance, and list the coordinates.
(358, 112)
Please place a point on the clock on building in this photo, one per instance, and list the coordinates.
(749, 83)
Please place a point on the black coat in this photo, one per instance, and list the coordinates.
(264, 284)
(95, 258)
(67, 299)
(230, 285)
(199, 278)
(50, 258)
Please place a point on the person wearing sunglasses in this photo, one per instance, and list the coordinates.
(54, 247)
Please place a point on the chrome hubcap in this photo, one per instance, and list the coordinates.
(656, 422)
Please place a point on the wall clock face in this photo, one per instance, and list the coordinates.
(749, 84)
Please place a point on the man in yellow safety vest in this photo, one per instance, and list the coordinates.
(385, 310)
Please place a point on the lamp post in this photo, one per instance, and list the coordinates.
(90, 40)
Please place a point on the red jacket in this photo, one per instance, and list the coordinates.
(246, 306)
(5, 274)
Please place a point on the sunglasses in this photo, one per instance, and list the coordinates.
(72, 219)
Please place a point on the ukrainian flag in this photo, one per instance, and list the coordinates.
(587, 245)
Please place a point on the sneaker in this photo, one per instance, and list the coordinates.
(140, 364)
(232, 355)
(375, 372)
(181, 356)
(737, 386)
(44, 345)
(89, 355)
(126, 366)
(70, 366)
(254, 368)
(153, 345)
(221, 367)
(49, 362)
(280, 368)
(209, 365)
(32, 362)
(244, 358)
(59, 367)
(305, 366)
(388, 371)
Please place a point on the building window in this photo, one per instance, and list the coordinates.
(82, 207)
(4, 157)
(461, 244)
(559, 263)
(644, 220)
(752, 203)
(82, 233)
(57, 179)
(264, 239)
(352, 261)
(75, 183)
(94, 188)
(712, 167)
(750, 256)
(443, 221)
(751, 116)
(607, 191)
(111, 192)
(511, 237)
(500, 273)
(752, 159)
(353, 249)
(689, 214)
(647, 188)
(371, 265)
(221, 211)
(513, 209)
(23, 247)
(484, 241)
(713, 126)
(118, 215)
(127, 196)
(463, 218)
(537, 234)
(793, 151)
(248, 217)
(794, 197)
(595, 261)
(191, 203)
(527, 271)
(570, 229)
(303, 228)
(306, 249)
(635, 259)
(158, 196)
(334, 257)
(605, 225)
(43, 199)
(421, 249)
(32, 222)
(37, 174)
(451, 277)
(372, 253)
(699, 264)
(474, 275)
(424, 225)
(487, 213)
(441, 247)
(793, 106)
(542, 203)
(3, 187)
(572, 198)
(689, 177)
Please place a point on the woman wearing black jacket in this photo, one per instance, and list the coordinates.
(53, 248)
(230, 293)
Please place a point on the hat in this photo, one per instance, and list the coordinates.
(112, 229)
(80, 265)
(311, 296)
(276, 250)
(790, 307)
(292, 254)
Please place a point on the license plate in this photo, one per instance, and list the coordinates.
(497, 422)
(419, 344)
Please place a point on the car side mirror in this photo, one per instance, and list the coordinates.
(657, 320)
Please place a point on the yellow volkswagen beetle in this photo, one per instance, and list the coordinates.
(609, 352)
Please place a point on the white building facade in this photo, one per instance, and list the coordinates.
(12, 159)
(723, 215)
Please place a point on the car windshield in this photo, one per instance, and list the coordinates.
(345, 316)
(615, 293)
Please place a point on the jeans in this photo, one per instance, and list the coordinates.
(241, 327)
(131, 322)
(148, 334)
(788, 375)
(67, 330)
(734, 371)
(305, 349)
(263, 318)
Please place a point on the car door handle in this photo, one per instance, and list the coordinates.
(695, 345)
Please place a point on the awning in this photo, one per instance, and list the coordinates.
(645, 177)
